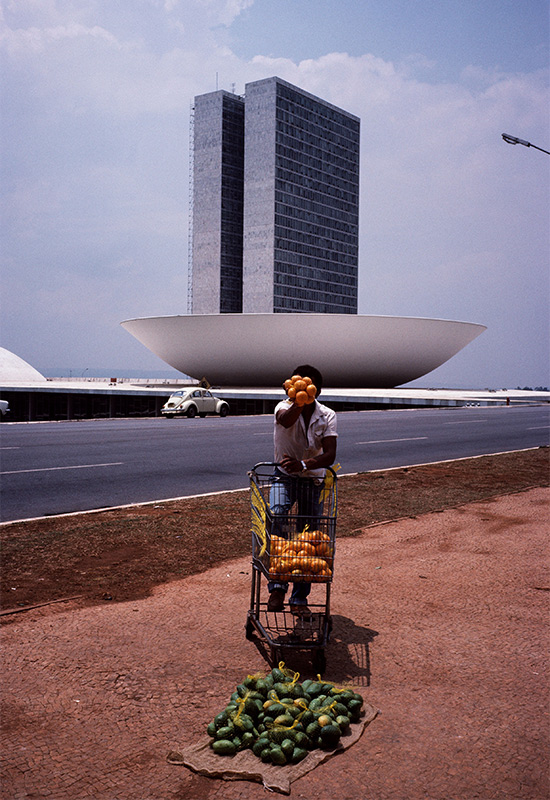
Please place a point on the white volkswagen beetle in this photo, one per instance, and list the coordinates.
(193, 402)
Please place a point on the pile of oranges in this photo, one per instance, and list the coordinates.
(307, 557)
(301, 390)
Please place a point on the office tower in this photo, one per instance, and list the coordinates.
(292, 246)
(218, 165)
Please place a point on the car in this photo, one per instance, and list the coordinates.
(193, 402)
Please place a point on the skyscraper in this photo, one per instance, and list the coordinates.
(275, 202)
(218, 188)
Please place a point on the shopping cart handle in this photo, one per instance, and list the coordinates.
(278, 464)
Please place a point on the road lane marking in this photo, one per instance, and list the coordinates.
(540, 428)
(74, 466)
(382, 441)
(464, 421)
(102, 509)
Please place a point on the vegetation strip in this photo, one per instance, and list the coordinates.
(123, 554)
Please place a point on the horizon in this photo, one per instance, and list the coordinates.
(99, 373)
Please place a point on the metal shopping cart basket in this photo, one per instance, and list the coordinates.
(292, 542)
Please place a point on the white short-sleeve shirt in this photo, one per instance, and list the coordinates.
(299, 443)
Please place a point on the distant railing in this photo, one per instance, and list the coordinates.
(136, 381)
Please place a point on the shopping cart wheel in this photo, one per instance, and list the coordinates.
(319, 662)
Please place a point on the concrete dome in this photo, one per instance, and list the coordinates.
(14, 370)
(350, 350)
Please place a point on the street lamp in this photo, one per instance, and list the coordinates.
(515, 140)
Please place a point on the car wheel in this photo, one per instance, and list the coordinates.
(224, 411)
(169, 416)
(192, 412)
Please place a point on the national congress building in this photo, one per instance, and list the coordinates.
(275, 202)
(273, 278)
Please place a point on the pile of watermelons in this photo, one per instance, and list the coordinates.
(281, 719)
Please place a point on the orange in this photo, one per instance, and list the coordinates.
(305, 563)
(309, 536)
(275, 566)
(307, 380)
(300, 385)
(291, 544)
(311, 389)
(281, 567)
(325, 573)
(287, 384)
(307, 549)
(312, 565)
(291, 548)
(323, 549)
(291, 392)
(296, 378)
(301, 397)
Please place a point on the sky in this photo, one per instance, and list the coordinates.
(94, 191)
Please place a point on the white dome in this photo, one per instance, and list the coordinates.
(259, 349)
(14, 370)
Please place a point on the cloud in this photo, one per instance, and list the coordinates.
(222, 12)
(37, 41)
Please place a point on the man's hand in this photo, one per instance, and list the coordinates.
(325, 459)
(291, 465)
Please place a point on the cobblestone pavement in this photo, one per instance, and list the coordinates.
(441, 621)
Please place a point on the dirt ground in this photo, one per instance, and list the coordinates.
(440, 619)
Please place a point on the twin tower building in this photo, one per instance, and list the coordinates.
(274, 236)
(275, 203)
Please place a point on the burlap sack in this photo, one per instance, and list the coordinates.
(245, 766)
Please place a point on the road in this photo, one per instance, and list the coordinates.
(52, 468)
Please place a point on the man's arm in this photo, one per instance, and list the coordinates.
(324, 459)
(288, 416)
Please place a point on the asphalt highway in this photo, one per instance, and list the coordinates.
(59, 467)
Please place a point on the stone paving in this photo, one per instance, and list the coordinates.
(440, 621)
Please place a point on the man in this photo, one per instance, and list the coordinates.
(305, 444)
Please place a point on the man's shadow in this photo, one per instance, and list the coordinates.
(348, 652)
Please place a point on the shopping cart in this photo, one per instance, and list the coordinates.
(292, 547)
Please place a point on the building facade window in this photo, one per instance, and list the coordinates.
(287, 164)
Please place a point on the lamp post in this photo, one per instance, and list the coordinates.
(514, 140)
